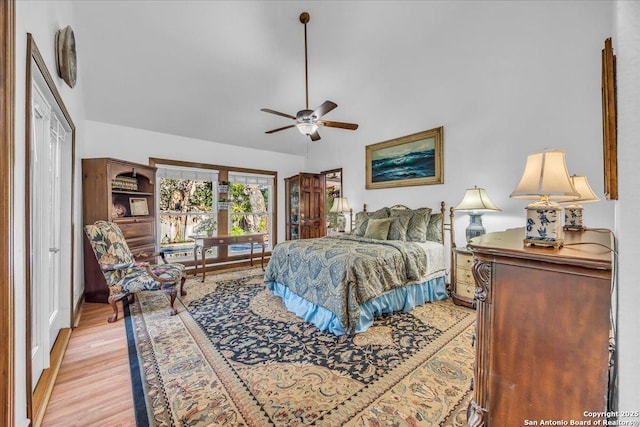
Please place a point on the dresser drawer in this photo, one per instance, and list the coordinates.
(464, 276)
(251, 238)
(466, 290)
(464, 261)
(133, 229)
(227, 240)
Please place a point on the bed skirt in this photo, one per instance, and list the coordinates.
(401, 299)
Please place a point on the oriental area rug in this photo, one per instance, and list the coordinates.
(234, 356)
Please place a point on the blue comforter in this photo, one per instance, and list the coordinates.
(339, 273)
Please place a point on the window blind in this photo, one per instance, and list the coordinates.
(193, 174)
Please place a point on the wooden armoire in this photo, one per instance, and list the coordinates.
(122, 192)
(305, 206)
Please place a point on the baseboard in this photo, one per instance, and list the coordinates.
(44, 388)
(77, 311)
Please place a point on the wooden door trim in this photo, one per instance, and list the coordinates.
(7, 135)
(37, 401)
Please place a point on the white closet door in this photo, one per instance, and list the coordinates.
(40, 116)
(47, 142)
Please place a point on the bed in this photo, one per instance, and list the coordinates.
(394, 260)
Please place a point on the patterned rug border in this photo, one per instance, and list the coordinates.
(235, 388)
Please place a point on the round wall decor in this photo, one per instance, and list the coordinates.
(66, 55)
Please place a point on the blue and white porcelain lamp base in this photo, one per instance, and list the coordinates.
(544, 225)
(573, 218)
(475, 227)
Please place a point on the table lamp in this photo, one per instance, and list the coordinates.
(573, 211)
(340, 205)
(546, 180)
(475, 202)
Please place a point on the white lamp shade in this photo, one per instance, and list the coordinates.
(546, 176)
(307, 128)
(573, 213)
(584, 189)
(476, 199)
(340, 205)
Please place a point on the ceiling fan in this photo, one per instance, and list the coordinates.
(308, 121)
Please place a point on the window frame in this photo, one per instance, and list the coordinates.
(223, 216)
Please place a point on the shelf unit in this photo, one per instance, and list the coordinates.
(132, 208)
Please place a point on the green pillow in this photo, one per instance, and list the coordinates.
(362, 219)
(399, 222)
(417, 228)
(434, 229)
(377, 229)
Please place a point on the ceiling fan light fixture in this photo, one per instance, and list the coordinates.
(307, 128)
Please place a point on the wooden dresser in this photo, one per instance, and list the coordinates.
(542, 337)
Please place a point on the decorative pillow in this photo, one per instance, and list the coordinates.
(362, 218)
(377, 229)
(417, 228)
(399, 221)
(434, 229)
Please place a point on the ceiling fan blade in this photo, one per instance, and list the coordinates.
(279, 129)
(324, 108)
(315, 136)
(278, 113)
(350, 126)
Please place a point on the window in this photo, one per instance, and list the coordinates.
(186, 198)
(236, 201)
(250, 206)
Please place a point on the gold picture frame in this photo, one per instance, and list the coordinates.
(414, 159)
(138, 206)
(609, 122)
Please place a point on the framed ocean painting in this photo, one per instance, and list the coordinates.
(410, 160)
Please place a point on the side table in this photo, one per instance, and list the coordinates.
(208, 242)
(463, 285)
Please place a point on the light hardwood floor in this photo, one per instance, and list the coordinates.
(93, 387)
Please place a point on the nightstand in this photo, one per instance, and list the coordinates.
(463, 286)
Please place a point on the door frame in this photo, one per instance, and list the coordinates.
(7, 145)
(37, 400)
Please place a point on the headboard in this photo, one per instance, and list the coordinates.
(440, 219)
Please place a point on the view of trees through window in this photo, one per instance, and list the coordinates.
(190, 207)
(248, 208)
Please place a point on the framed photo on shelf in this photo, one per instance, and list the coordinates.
(138, 206)
(409, 160)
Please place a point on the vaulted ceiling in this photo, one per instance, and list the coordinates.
(204, 69)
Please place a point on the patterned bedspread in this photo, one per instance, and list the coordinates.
(341, 272)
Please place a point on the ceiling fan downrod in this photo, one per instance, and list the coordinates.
(304, 18)
(307, 121)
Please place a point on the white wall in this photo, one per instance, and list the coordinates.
(137, 145)
(626, 43)
(505, 79)
(42, 20)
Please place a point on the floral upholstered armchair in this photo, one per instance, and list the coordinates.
(123, 274)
